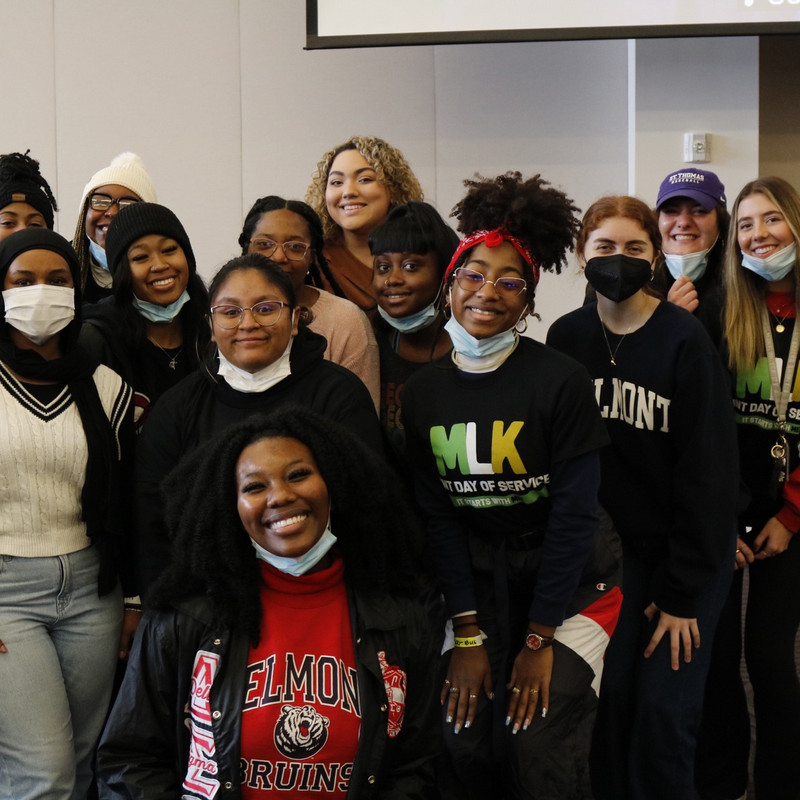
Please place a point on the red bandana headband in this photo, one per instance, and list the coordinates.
(493, 239)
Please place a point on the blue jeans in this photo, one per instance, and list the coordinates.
(648, 714)
(56, 678)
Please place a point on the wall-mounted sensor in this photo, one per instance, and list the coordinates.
(696, 148)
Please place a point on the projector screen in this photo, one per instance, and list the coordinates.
(369, 23)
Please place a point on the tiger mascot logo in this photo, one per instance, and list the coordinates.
(300, 732)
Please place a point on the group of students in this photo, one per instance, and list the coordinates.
(521, 577)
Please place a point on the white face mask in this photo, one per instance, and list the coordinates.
(251, 382)
(774, 267)
(40, 311)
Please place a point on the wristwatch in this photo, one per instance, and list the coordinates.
(535, 641)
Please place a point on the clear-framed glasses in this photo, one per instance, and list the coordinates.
(470, 281)
(294, 251)
(265, 314)
(102, 202)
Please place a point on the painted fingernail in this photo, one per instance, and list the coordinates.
(525, 726)
(491, 695)
(448, 718)
(466, 724)
(508, 721)
(515, 730)
(544, 713)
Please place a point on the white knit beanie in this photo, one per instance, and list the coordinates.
(126, 170)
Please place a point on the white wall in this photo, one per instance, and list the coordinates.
(224, 105)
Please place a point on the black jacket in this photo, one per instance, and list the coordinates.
(145, 748)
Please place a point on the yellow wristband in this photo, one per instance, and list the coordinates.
(468, 641)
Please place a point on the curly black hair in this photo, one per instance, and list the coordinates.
(377, 531)
(544, 218)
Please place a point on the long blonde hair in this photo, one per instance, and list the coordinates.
(745, 292)
(390, 166)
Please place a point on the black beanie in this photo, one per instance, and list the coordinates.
(144, 219)
(37, 239)
(20, 183)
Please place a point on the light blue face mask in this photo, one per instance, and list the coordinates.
(98, 254)
(466, 344)
(692, 265)
(413, 322)
(156, 313)
(303, 564)
(774, 267)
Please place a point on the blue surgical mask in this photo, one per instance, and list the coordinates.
(98, 254)
(301, 565)
(156, 313)
(692, 265)
(413, 322)
(465, 344)
(775, 266)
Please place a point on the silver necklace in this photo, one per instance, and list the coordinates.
(173, 360)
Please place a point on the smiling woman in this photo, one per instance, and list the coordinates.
(693, 221)
(123, 182)
(153, 330)
(275, 522)
(264, 358)
(411, 251)
(504, 434)
(352, 190)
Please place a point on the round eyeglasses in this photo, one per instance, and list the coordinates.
(102, 202)
(471, 281)
(265, 314)
(294, 251)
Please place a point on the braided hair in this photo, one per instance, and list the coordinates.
(318, 268)
(376, 528)
(20, 175)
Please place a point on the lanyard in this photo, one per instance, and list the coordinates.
(780, 394)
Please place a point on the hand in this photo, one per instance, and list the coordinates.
(531, 675)
(682, 293)
(772, 541)
(744, 555)
(130, 622)
(682, 630)
(468, 673)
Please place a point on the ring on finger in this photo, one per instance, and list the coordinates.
(454, 690)
(473, 697)
(533, 692)
(515, 689)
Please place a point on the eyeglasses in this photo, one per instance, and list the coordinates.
(294, 251)
(265, 314)
(102, 202)
(471, 281)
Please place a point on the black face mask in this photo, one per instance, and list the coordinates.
(617, 277)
